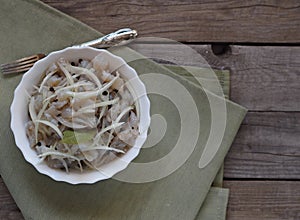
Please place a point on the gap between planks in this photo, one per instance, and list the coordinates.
(192, 21)
(262, 78)
(248, 200)
(266, 147)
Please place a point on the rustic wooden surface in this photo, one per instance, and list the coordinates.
(262, 50)
(193, 20)
(268, 200)
(264, 78)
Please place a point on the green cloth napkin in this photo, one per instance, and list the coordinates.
(206, 77)
(29, 27)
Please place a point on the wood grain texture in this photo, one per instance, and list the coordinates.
(266, 80)
(263, 200)
(8, 207)
(263, 78)
(192, 20)
(266, 147)
(249, 200)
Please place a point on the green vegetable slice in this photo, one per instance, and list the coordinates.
(76, 137)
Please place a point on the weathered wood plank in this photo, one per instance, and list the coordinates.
(265, 78)
(267, 147)
(263, 200)
(193, 20)
(8, 207)
(268, 144)
(249, 200)
(262, 78)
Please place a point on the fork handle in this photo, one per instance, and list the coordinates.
(121, 36)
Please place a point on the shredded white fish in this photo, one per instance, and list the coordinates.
(100, 104)
(112, 126)
(102, 148)
(48, 76)
(71, 110)
(127, 109)
(55, 128)
(67, 74)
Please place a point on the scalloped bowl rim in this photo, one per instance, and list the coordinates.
(19, 117)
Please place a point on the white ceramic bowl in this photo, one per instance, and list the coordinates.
(19, 115)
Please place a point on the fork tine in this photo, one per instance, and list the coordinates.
(24, 59)
(17, 69)
(20, 65)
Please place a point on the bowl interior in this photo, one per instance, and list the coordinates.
(19, 114)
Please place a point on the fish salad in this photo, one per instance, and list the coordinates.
(81, 115)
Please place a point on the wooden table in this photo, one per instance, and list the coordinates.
(259, 41)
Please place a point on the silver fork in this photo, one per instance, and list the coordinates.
(120, 37)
